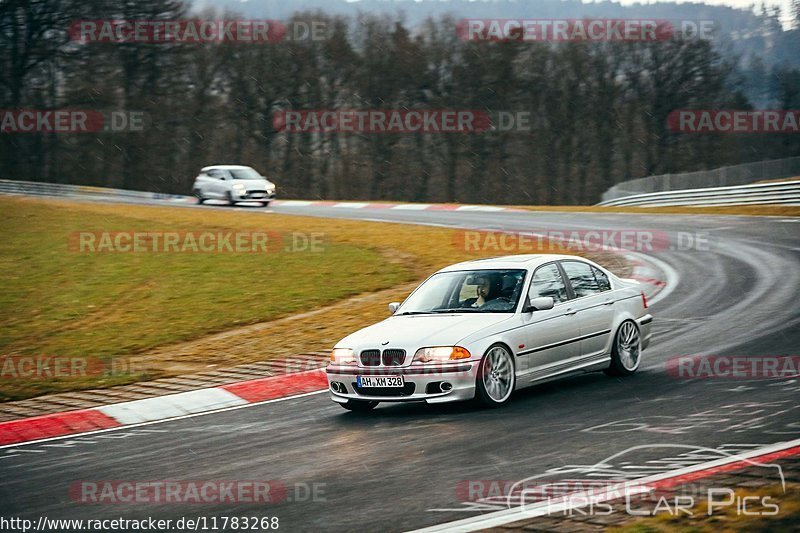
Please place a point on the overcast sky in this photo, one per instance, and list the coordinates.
(785, 5)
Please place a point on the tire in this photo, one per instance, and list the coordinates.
(494, 389)
(264, 204)
(230, 198)
(359, 406)
(626, 353)
(199, 196)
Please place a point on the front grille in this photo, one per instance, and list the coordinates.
(371, 357)
(407, 390)
(390, 357)
(394, 357)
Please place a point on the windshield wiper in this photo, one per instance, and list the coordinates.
(415, 313)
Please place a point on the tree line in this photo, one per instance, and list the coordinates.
(597, 111)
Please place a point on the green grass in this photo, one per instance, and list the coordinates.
(62, 302)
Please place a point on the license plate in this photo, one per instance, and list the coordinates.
(380, 381)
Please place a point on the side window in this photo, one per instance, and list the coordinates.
(547, 281)
(602, 279)
(581, 277)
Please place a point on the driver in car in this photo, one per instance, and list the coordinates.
(489, 288)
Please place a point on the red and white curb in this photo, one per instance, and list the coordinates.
(166, 407)
(758, 457)
(657, 278)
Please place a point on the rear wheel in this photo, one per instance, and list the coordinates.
(359, 405)
(626, 351)
(496, 377)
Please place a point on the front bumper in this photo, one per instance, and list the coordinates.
(258, 196)
(422, 383)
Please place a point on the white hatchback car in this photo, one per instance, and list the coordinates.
(234, 183)
(484, 328)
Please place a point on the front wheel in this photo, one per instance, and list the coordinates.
(264, 204)
(359, 405)
(626, 351)
(496, 377)
(199, 196)
(230, 199)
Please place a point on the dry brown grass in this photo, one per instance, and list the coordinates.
(728, 520)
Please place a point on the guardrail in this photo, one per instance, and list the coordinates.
(778, 193)
(783, 193)
(730, 176)
(62, 189)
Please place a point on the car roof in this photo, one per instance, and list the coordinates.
(526, 261)
(225, 167)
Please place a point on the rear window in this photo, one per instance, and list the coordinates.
(602, 279)
(581, 277)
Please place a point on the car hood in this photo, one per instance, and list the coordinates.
(254, 184)
(412, 332)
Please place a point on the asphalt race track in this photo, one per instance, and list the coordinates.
(405, 466)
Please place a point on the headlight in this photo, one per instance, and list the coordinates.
(343, 356)
(441, 354)
(238, 186)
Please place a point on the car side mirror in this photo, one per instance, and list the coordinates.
(393, 307)
(541, 303)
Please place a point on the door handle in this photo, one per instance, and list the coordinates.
(569, 312)
(609, 302)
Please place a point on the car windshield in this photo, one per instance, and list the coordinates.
(245, 174)
(466, 291)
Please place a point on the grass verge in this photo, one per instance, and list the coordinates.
(737, 210)
(164, 309)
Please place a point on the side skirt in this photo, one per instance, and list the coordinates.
(583, 366)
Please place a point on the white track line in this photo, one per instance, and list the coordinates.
(411, 207)
(351, 205)
(499, 518)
